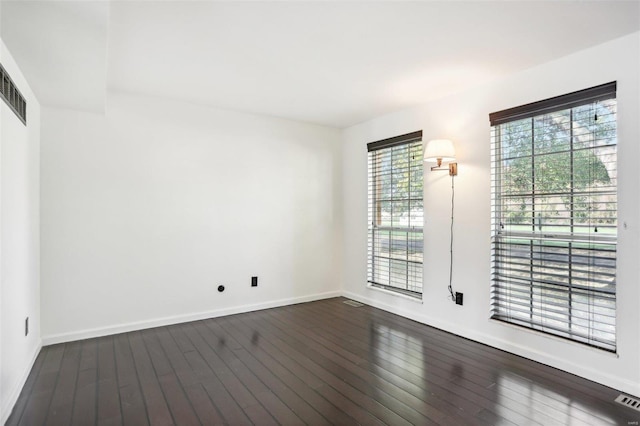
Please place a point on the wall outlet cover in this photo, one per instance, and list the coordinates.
(458, 298)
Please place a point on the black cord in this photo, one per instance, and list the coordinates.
(453, 297)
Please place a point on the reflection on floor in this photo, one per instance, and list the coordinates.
(322, 362)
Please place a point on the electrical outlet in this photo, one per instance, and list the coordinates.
(26, 326)
(458, 298)
(254, 281)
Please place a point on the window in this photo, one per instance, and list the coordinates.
(554, 216)
(396, 214)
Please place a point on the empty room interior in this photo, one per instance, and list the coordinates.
(325, 212)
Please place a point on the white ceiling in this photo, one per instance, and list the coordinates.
(331, 62)
(61, 48)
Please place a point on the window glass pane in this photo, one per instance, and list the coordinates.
(552, 173)
(383, 213)
(416, 214)
(400, 214)
(552, 132)
(517, 176)
(516, 139)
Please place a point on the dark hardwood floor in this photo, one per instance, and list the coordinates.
(316, 363)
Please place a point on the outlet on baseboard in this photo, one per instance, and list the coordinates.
(458, 298)
(26, 326)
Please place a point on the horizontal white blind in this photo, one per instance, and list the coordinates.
(395, 242)
(554, 219)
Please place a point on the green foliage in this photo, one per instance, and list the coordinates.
(555, 156)
(399, 178)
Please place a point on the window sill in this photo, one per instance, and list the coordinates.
(395, 293)
(556, 338)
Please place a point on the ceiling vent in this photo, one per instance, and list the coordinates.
(12, 96)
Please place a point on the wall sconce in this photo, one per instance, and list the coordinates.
(439, 150)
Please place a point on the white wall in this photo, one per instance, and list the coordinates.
(147, 209)
(19, 240)
(464, 118)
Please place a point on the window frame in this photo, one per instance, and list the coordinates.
(412, 285)
(549, 250)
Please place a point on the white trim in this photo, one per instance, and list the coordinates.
(395, 293)
(552, 337)
(176, 319)
(14, 393)
(595, 375)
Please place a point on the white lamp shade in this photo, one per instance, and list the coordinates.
(439, 148)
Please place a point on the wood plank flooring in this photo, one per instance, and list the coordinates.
(315, 363)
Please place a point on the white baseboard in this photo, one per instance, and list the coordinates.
(622, 385)
(177, 319)
(626, 386)
(14, 392)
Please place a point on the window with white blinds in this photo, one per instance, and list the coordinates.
(396, 215)
(554, 216)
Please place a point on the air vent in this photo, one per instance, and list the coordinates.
(629, 401)
(12, 96)
(352, 303)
